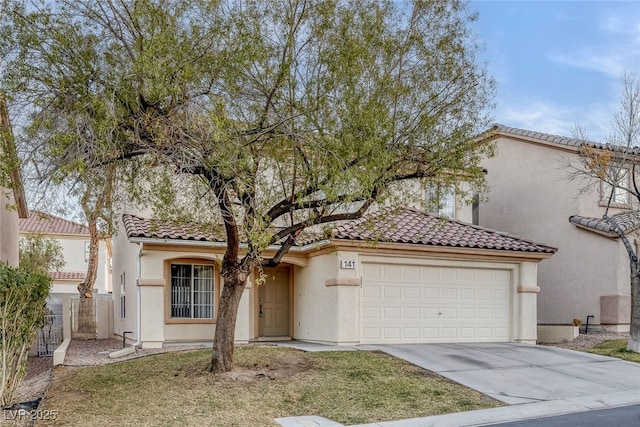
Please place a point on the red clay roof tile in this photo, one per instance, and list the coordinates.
(41, 222)
(404, 226)
(415, 227)
(68, 275)
(156, 229)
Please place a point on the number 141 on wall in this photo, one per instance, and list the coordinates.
(348, 264)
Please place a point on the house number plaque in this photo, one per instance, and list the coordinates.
(348, 264)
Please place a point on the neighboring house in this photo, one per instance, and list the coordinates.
(74, 239)
(418, 279)
(13, 204)
(9, 227)
(530, 195)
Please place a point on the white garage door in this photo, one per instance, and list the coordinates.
(422, 304)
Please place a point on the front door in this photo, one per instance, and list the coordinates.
(273, 300)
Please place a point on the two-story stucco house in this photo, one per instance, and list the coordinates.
(13, 204)
(419, 278)
(74, 240)
(530, 195)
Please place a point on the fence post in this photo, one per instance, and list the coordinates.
(66, 316)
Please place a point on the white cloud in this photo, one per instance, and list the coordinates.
(557, 120)
(620, 53)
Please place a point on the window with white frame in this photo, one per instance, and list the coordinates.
(192, 291)
(617, 193)
(87, 251)
(443, 198)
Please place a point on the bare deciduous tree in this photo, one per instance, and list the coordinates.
(615, 164)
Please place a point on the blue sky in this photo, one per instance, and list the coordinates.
(559, 62)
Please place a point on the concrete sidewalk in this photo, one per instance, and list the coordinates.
(537, 381)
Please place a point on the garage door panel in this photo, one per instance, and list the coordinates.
(392, 333)
(467, 313)
(449, 313)
(412, 313)
(371, 312)
(411, 333)
(392, 312)
(412, 273)
(412, 292)
(468, 293)
(430, 293)
(449, 294)
(372, 291)
(392, 291)
(434, 304)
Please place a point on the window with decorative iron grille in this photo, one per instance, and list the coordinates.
(192, 291)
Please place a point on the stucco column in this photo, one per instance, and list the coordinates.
(244, 331)
(152, 315)
(8, 230)
(527, 296)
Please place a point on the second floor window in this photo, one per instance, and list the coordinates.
(441, 199)
(618, 195)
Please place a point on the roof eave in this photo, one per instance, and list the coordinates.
(447, 250)
(205, 243)
(595, 231)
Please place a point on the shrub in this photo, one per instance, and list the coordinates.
(23, 296)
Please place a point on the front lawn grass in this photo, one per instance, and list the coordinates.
(615, 348)
(174, 389)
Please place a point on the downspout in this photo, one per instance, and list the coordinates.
(138, 343)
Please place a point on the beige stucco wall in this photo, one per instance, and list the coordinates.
(8, 229)
(530, 196)
(124, 275)
(155, 331)
(326, 300)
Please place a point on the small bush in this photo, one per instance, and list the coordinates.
(23, 296)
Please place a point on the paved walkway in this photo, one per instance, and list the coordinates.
(536, 381)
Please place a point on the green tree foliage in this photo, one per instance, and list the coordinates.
(39, 254)
(266, 117)
(23, 296)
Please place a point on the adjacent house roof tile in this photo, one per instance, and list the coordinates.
(405, 226)
(563, 140)
(540, 135)
(415, 227)
(150, 228)
(41, 222)
(628, 222)
(68, 275)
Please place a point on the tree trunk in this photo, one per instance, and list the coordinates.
(86, 311)
(234, 284)
(633, 343)
(86, 287)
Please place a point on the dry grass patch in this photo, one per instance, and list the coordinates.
(350, 387)
(615, 348)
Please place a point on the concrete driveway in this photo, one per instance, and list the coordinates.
(519, 373)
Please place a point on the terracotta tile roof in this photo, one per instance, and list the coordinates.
(68, 275)
(40, 222)
(155, 229)
(539, 135)
(407, 226)
(628, 222)
(415, 227)
(563, 140)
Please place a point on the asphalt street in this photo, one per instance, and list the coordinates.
(625, 416)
